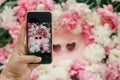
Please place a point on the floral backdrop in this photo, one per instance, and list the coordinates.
(97, 20)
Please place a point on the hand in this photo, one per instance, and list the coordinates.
(18, 67)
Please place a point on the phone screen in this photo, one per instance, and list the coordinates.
(39, 35)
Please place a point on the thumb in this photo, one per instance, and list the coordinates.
(29, 59)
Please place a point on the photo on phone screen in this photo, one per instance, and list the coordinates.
(39, 35)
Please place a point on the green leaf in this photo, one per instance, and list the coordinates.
(1, 64)
(92, 3)
(46, 24)
(60, 1)
(113, 34)
(116, 6)
(5, 37)
(10, 3)
(74, 78)
(105, 2)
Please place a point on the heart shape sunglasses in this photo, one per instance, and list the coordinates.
(69, 46)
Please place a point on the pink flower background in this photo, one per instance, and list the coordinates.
(69, 20)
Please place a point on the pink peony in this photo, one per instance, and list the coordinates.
(48, 4)
(69, 20)
(3, 55)
(87, 33)
(23, 7)
(112, 71)
(14, 29)
(75, 67)
(84, 75)
(30, 35)
(108, 16)
(110, 47)
(33, 76)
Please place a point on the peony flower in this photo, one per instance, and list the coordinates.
(7, 19)
(85, 75)
(77, 30)
(102, 34)
(116, 38)
(68, 20)
(14, 29)
(23, 7)
(81, 8)
(110, 47)
(33, 76)
(54, 73)
(94, 53)
(2, 1)
(48, 4)
(78, 70)
(75, 67)
(30, 35)
(43, 31)
(108, 16)
(92, 19)
(34, 48)
(3, 55)
(66, 64)
(57, 12)
(114, 55)
(87, 33)
(112, 71)
(98, 69)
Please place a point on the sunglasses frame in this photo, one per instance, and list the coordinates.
(69, 46)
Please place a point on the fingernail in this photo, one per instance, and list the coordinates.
(38, 59)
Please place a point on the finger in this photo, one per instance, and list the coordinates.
(29, 59)
(21, 36)
(33, 66)
(19, 50)
(25, 48)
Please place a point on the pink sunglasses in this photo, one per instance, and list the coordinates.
(69, 46)
(38, 37)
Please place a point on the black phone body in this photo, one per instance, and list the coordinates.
(39, 35)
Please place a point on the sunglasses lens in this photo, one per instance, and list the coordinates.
(56, 48)
(36, 37)
(40, 37)
(71, 46)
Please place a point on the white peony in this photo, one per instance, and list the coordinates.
(94, 53)
(97, 68)
(92, 19)
(56, 73)
(116, 38)
(55, 19)
(34, 45)
(66, 64)
(34, 48)
(33, 30)
(41, 7)
(46, 40)
(77, 29)
(81, 8)
(114, 55)
(102, 34)
(8, 17)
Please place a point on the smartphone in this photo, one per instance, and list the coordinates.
(39, 35)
